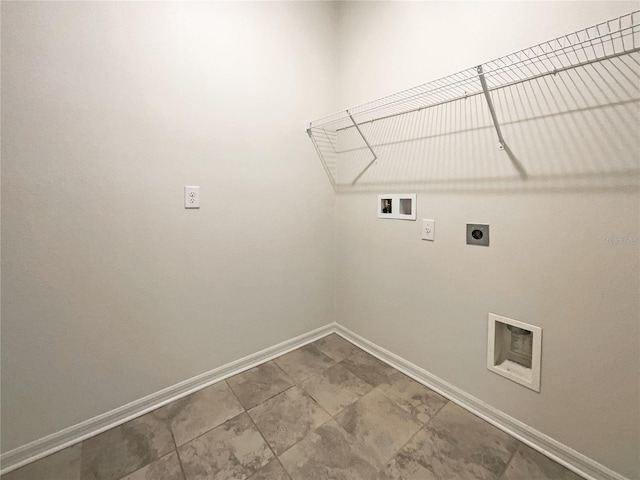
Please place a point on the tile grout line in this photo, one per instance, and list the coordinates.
(374, 388)
(285, 470)
(212, 428)
(331, 417)
(302, 439)
(335, 363)
(184, 475)
(246, 409)
(377, 388)
(447, 401)
(315, 401)
(294, 383)
(152, 462)
(271, 398)
(393, 456)
(175, 449)
(305, 392)
(81, 459)
(86, 429)
(256, 426)
(424, 424)
(175, 444)
(515, 451)
(554, 458)
(561, 454)
(299, 385)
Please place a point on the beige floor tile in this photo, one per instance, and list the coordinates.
(165, 468)
(420, 401)
(330, 453)
(529, 464)
(233, 450)
(430, 457)
(271, 471)
(259, 384)
(126, 448)
(454, 444)
(474, 438)
(286, 418)
(368, 367)
(336, 347)
(378, 424)
(335, 388)
(198, 413)
(304, 363)
(386, 426)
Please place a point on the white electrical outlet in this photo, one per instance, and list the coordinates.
(191, 197)
(428, 229)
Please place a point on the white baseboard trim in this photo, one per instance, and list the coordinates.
(573, 460)
(55, 442)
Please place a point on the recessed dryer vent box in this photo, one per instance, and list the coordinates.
(400, 206)
(514, 350)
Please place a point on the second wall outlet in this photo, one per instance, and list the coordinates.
(428, 229)
(191, 197)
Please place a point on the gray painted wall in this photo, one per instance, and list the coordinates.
(111, 290)
(549, 263)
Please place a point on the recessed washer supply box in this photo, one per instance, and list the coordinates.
(399, 206)
(514, 350)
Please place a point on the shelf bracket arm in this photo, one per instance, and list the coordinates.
(502, 144)
(375, 157)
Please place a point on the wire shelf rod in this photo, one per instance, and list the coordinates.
(606, 53)
(491, 89)
(603, 41)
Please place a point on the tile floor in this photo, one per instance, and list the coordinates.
(325, 411)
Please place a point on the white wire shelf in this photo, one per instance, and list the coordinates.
(599, 43)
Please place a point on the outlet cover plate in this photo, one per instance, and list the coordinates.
(428, 229)
(191, 196)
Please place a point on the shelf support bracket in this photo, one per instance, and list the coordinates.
(375, 157)
(502, 144)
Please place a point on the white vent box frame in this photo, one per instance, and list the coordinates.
(399, 206)
(514, 350)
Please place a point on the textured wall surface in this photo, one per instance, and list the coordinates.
(564, 251)
(111, 290)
